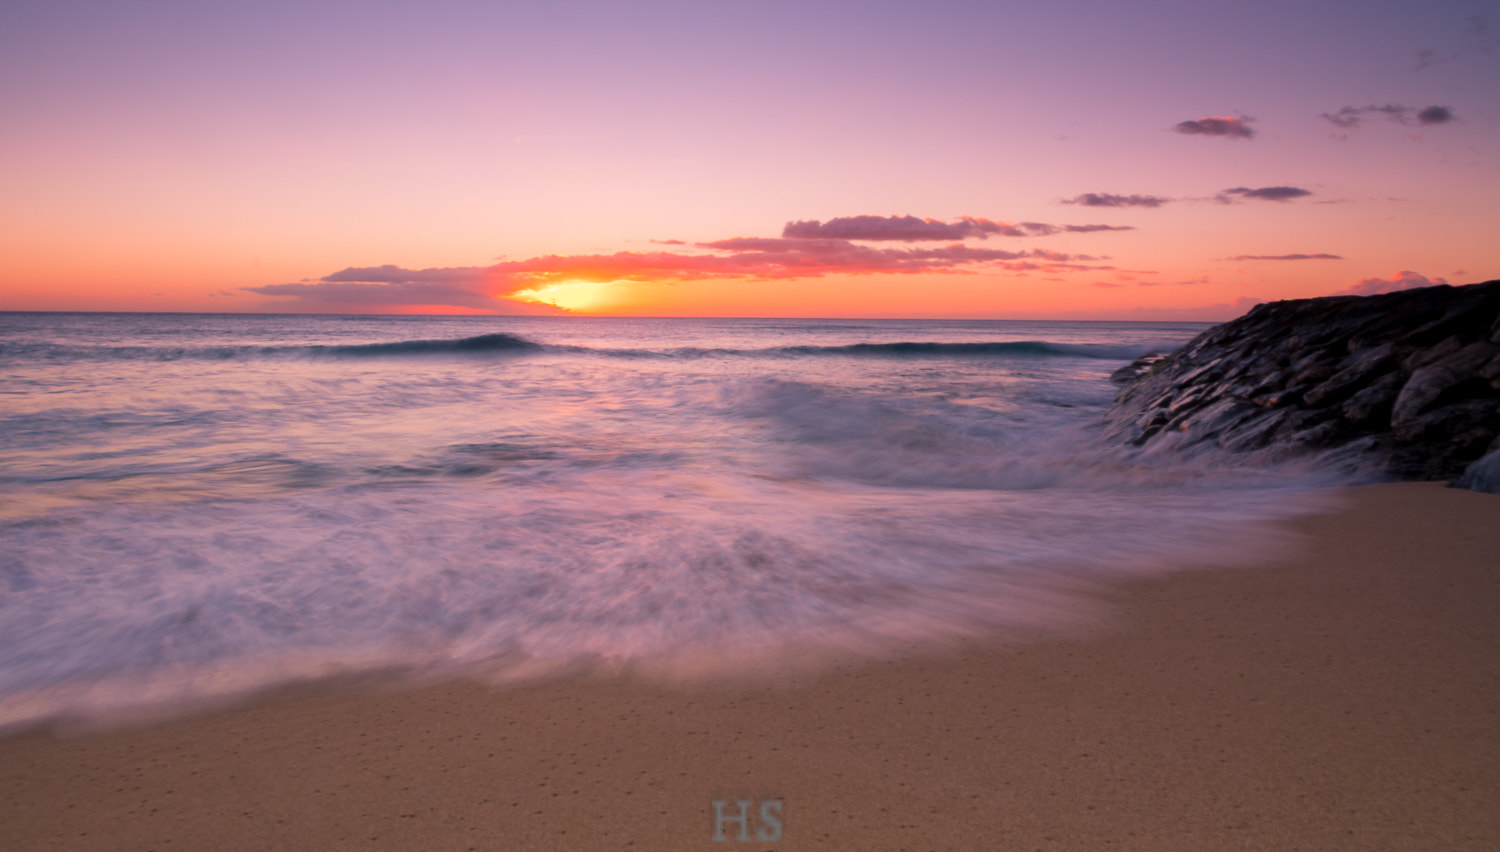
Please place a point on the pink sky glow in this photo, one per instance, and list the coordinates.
(1079, 159)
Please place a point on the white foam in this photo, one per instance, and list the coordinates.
(223, 527)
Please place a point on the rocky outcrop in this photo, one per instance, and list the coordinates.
(1407, 384)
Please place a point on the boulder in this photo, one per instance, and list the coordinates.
(1428, 384)
(1372, 406)
(1407, 382)
(1484, 473)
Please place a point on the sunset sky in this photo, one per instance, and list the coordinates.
(1088, 159)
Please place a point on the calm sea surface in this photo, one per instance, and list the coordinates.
(193, 506)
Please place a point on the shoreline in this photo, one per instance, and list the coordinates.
(1341, 696)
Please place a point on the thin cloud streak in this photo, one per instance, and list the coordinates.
(1324, 256)
(1041, 229)
(1265, 193)
(1350, 117)
(1104, 199)
(346, 295)
(912, 229)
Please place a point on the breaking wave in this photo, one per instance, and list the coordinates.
(502, 344)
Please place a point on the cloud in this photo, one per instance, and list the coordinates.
(1286, 257)
(1265, 193)
(904, 228)
(1435, 115)
(911, 229)
(1099, 199)
(1350, 117)
(752, 258)
(393, 287)
(455, 277)
(1174, 283)
(1475, 35)
(1041, 229)
(765, 257)
(1218, 125)
(1403, 280)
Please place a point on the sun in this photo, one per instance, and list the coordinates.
(581, 296)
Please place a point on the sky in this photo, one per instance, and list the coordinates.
(1075, 159)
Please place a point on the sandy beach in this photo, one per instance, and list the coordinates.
(1340, 697)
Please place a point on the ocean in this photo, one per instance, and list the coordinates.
(197, 507)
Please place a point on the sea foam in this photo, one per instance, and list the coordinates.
(180, 531)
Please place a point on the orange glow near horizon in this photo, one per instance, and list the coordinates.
(579, 296)
(141, 175)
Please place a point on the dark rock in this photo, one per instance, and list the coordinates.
(1315, 373)
(1491, 370)
(1428, 384)
(1202, 375)
(1484, 473)
(1466, 426)
(1372, 406)
(1215, 418)
(1281, 398)
(1468, 316)
(1420, 358)
(1357, 371)
(1137, 368)
(1325, 434)
(1406, 381)
(1254, 433)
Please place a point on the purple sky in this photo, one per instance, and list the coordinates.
(215, 154)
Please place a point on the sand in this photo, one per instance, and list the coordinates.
(1346, 696)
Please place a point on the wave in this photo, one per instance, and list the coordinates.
(502, 344)
(484, 343)
(1038, 348)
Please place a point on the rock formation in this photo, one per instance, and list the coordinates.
(1406, 384)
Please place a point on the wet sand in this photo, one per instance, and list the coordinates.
(1345, 696)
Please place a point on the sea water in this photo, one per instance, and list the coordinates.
(195, 506)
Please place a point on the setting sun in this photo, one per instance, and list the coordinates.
(667, 424)
(575, 295)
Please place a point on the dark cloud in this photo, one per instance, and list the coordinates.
(903, 228)
(1100, 199)
(1435, 115)
(1265, 193)
(1286, 257)
(1403, 280)
(1217, 125)
(1350, 117)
